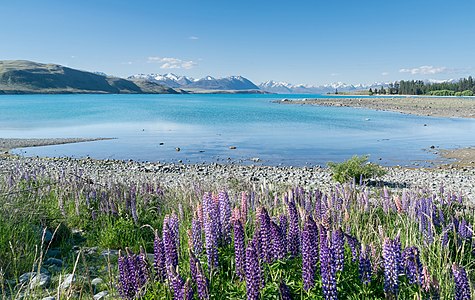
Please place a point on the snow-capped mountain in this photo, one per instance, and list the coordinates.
(207, 83)
(288, 88)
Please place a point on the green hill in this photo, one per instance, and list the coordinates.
(26, 77)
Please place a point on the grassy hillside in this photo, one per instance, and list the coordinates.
(26, 77)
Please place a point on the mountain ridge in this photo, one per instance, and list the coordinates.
(27, 77)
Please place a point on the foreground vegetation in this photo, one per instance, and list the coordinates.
(235, 242)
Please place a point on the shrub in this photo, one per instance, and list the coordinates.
(355, 168)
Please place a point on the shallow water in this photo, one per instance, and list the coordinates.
(205, 126)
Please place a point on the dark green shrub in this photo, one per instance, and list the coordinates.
(355, 168)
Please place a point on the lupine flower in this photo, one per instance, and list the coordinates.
(187, 291)
(198, 277)
(354, 245)
(430, 285)
(211, 230)
(364, 267)
(201, 283)
(392, 265)
(176, 283)
(283, 224)
(279, 248)
(225, 217)
(284, 291)
(265, 236)
(159, 258)
(338, 247)
(326, 270)
(142, 267)
(170, 247)
(239, 249)
(412, 265)
(309, 259)
(464, 230)
(462, 285)
(196, 235)
(132, 274)
(253, 272)
(293, 237)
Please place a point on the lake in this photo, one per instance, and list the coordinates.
(204, 127)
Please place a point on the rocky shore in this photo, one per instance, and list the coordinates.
(8, 144)
(459, 180)
(459, 107)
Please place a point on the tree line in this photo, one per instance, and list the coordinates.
(463, 87)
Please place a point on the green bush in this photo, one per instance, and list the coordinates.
(467, 93)
(355, 168)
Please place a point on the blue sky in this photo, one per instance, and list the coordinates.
(312, 42)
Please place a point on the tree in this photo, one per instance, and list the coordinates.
(370, 92)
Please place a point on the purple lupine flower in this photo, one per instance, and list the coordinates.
(309, 259)
(142, 268)
(225, 217)
(445, 235)
(159, 258)
(392, 265)
(196, 235)
(293, 237)
(327, 271)
(169, 244)
(354, 245)
(187, 291)
(174, 225)
(279, 248)
(132, 272)
(284, 291)
(211, 230)
(176, 283)
(364, 266)
(239, 249)
(198, 277)
(462, 285)
(193, 266)
(412, 265)
(464, 230)
(201, 283)
(253, 272)
(265, 236)
(338, 247)
(123, 286)
(283, 223)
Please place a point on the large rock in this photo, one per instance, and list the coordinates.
(41, 280)
(68, 279)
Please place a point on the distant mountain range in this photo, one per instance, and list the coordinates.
(237, 83)
(26, 77)
(288, 88)
(21, 77)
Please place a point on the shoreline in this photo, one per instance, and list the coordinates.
(218, 176)
(446, 107)
(7, 144)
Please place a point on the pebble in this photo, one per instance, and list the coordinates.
(101, 295)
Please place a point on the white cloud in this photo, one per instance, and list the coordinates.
(385, 73)
(425, 70)
(335, 74)
(193, 37)
(172, 63)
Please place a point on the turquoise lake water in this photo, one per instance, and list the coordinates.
(205, 126)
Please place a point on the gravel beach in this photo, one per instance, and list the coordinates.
(459, 107)
(459, 180)
(8, 144)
